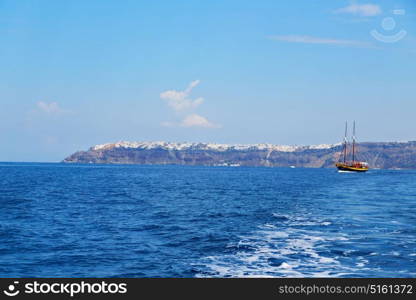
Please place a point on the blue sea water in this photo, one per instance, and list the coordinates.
(61, 220)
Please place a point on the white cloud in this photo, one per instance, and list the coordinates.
(50, 108)
(195, 120)
(168, 124)
(181, 103)
(192, 120)
(179, 100)
(305, 39)
(364, 10)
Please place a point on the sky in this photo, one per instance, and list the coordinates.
(78, 73)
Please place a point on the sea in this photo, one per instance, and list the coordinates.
(74, 220)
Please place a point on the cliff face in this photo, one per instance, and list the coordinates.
(387, 155)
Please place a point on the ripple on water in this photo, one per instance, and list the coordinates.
(289, 248)
(62, 220)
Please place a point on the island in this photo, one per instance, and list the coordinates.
(382, 155)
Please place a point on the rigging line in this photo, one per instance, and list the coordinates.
(353, 143)
(345, 142)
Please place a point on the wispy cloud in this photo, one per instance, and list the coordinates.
(364, 10)
(181, 103)
(50, 108)
(195, 120)
(179, 100)
(305, 39)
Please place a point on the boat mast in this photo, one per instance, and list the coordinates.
(353, 143)
(345, 142)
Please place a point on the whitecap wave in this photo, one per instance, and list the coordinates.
(285, 250)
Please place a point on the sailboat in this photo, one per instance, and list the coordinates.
(343, 164)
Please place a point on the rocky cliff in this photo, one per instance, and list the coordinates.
(384, 155)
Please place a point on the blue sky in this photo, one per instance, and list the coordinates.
(78, 73)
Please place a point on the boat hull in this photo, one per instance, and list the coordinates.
(347, 168)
